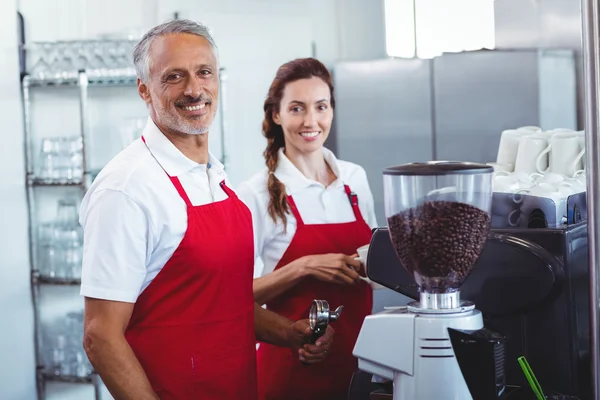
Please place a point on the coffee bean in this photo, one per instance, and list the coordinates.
(439, 242)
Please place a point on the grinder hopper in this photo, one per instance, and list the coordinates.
(438, 216)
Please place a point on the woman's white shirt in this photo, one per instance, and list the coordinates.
(316, 204)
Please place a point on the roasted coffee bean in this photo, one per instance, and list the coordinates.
(439, 242)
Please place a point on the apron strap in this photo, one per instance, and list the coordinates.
(230, 193)
(177, 183)
(180, 190)
(353, 202)
(294, 210)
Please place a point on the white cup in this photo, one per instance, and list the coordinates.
(580, 177)
(501, 169)
(509, 145)
(581, 137)
(552, 132)
(549, 191)
(543, 189)
(581, 181)
(362, 252)
(525, 178)
(565, 154)
(533, 129)
(505, 184)
(531, 154)
(551, 177)
(572, 186)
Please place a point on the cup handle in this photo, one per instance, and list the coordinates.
(502, 173)
(510, 222)
(360, 276)
(519, 192)
(578, 158)
(536, 175)
(539, 158)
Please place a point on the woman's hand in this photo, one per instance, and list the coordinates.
(335, 268)
(298, 336)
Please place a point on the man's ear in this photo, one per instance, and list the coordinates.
(144, 91)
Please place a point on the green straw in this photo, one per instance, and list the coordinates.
(533, 382)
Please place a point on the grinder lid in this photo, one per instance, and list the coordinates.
(439, 168)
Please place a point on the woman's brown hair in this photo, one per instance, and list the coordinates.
(301, 68)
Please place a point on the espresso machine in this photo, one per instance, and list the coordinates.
(529, 285)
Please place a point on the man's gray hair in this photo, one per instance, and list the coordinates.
(141, 53)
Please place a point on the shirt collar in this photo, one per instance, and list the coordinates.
(295, 181)
(170, 158)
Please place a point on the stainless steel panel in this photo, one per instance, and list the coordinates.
(537, 24)
(477, 96)
(557, 89)
(383, 116)
(551, 24)
(560, 22)
(517, 23)
(591, 44)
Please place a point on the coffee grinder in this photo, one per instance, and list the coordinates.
(438, 216)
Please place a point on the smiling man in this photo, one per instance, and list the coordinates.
(168, 247)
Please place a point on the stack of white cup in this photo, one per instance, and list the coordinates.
(531, 162)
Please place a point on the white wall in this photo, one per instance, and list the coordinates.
(16, 335)
(81, 19)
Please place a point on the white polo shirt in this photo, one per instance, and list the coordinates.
(133, 218)
(316, 204)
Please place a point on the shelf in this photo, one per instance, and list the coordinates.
(46, 280)
(33, 181)
(122, 81)
(67, 378)
(92, 79)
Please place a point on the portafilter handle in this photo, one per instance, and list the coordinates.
(319, 318)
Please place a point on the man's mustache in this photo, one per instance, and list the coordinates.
(187, 102)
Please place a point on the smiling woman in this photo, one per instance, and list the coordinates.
(308, 224)
(300, 102)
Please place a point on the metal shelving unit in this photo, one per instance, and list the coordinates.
(82, 82)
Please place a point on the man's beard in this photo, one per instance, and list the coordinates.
(182, 124)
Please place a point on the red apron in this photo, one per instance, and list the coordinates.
(192, 328)
(281, 376)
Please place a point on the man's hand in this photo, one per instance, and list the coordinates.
(299, 338)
